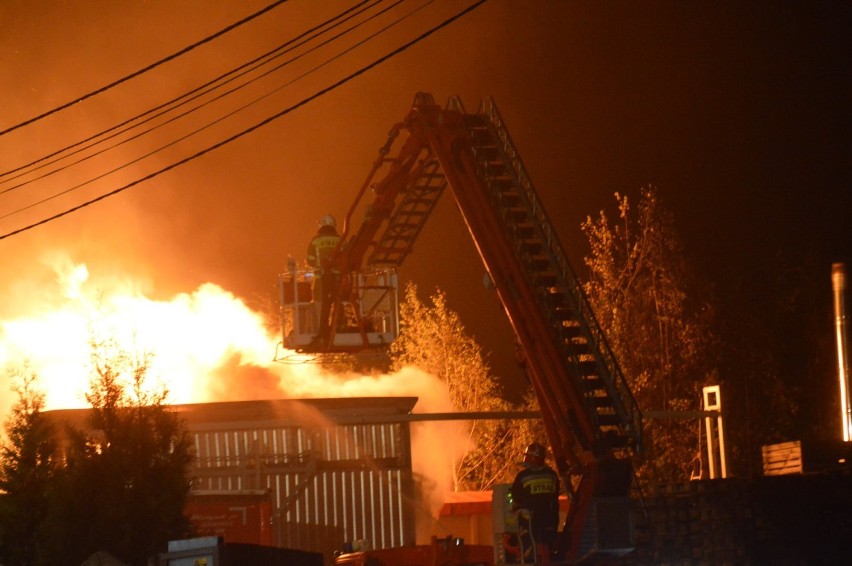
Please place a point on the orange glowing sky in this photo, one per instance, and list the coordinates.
(737, 114)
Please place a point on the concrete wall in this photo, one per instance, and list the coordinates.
(781, 520)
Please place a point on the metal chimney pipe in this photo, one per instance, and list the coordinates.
(838, 283)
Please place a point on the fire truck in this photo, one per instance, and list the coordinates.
(591, 418)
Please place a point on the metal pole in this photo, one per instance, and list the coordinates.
(838, 280)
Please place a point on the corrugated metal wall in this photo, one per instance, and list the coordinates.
(340, 481)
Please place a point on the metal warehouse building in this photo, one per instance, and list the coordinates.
(335, 470)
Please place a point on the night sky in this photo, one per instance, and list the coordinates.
(737, 112)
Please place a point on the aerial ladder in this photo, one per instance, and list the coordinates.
(591, 418)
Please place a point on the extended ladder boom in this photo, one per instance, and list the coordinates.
(588, 410)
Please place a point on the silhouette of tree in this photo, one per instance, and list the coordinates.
(125, 483)
(28, 467)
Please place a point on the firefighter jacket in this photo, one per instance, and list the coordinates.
(322, 246)
(536, 489)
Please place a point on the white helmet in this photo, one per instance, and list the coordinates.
(328, 220)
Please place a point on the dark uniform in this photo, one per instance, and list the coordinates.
(536, 491)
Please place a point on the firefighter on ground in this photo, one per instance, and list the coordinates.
(320, 250)
(535, 500)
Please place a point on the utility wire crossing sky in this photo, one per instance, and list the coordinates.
(223, 142)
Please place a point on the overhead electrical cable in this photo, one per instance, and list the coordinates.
(183, 99)
(198, 95)
(233, 112)
(256, 126)
(145, 69)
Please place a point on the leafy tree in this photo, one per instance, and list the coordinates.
(126, 480)
(433, 338)
(659, 319)
(28, 466)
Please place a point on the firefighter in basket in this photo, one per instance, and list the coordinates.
(320, 251)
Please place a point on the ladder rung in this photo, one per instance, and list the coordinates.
(609, 419)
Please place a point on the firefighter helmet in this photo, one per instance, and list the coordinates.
(535, 454)
(328, 220)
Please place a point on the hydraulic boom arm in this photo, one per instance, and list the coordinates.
(588, 410)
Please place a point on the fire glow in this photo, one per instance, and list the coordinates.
(205, 345)
(189, 337)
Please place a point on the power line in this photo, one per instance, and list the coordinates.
(170, 105)
(226, 116)
(258, 125)
(271, 55)
(144, 69)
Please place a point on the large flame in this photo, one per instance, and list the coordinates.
(189, 337)
(205, 345)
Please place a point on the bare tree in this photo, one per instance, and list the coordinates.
(659, 319)
(433, 338)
